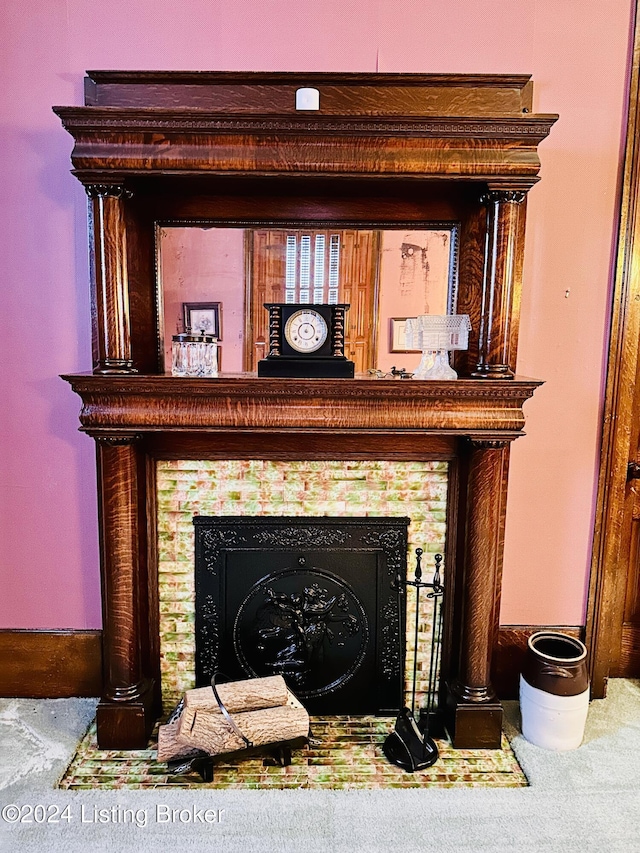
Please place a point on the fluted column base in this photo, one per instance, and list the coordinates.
(473, 718)
(493, 371)
(110, 367)
(128, 723)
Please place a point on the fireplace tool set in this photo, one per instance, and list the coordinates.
(410, 745)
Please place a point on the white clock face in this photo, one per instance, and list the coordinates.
(306, 330)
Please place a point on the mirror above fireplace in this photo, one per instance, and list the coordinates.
(382, 273)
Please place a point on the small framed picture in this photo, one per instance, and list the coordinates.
(397, 342)
(203, 317)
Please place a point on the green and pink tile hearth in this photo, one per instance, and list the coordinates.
(344, 754)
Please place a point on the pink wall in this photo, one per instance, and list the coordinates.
(576, 51)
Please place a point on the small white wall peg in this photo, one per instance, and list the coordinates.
(307, 99)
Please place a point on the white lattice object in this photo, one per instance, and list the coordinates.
(436, 335)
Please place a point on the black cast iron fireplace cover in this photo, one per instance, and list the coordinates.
(312, 599)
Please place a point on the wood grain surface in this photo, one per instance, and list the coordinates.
(158, 403)
(50, 664)
(230, 148)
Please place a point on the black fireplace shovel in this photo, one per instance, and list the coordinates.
(407, 746)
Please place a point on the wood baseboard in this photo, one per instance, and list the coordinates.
(50, 664)
(58, 664)
(509, 652)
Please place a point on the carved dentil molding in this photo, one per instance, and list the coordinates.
(118, 440)
(530, 126)
(503, 197)
(488, 443)
(107, 191)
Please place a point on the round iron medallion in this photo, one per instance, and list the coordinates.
(307, 625)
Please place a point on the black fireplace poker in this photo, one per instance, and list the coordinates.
(409, 745)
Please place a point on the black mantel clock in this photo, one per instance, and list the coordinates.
(306, 341)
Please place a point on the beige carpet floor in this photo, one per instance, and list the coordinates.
(583, 801)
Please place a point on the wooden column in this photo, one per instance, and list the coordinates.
(112, 336)
(474, 713)
(125, 714)
(501, 283)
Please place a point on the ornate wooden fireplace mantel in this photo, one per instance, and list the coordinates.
(157, 148)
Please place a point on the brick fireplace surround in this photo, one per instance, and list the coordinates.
(154, 148)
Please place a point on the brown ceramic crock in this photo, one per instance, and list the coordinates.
(556, 663)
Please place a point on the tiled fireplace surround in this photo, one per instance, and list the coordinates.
(257, 487)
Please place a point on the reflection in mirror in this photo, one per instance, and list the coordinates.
(384, 275)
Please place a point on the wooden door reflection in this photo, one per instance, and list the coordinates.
(321, 266)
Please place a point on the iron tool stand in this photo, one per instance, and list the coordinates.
(410, 745)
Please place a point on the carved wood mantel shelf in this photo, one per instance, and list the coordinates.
(157, 148)
(124, 404)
